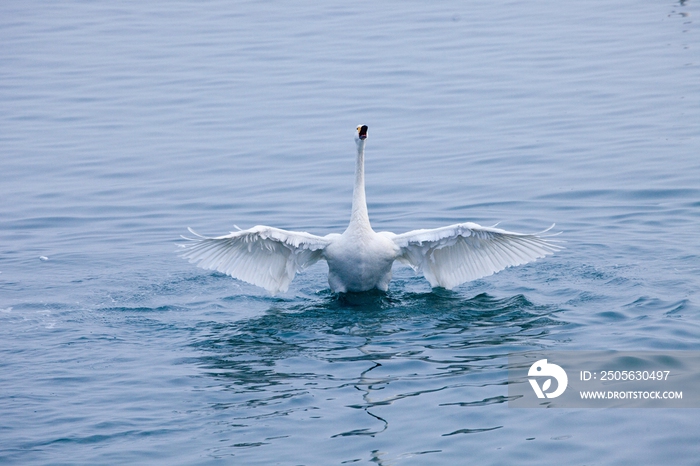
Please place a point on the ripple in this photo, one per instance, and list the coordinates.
(472, 431)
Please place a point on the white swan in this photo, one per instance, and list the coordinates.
(361, 259)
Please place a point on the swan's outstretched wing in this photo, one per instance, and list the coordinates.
(264, 256)
(452, 255)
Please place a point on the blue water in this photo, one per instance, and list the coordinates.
(123, 123)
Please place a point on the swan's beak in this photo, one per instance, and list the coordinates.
(362, 132)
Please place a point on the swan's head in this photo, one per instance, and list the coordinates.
(361, 134)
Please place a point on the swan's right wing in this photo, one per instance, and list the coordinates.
(452, 255)
(264, 256)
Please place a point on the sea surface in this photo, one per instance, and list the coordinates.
(123, 123)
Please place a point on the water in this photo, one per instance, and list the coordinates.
(123, 123)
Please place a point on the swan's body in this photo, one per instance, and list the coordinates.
(360, 259)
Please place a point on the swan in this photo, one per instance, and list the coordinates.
(361, 259)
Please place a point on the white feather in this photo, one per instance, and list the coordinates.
(452, 255)
(264, 256)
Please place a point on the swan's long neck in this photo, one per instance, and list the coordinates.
(359, 216)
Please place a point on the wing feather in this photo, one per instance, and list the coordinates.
(452, 255)
(264, 256)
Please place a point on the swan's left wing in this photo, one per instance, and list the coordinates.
(264, 256)
(452, 255)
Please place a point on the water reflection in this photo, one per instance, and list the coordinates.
(337, 357)
(335, 330)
